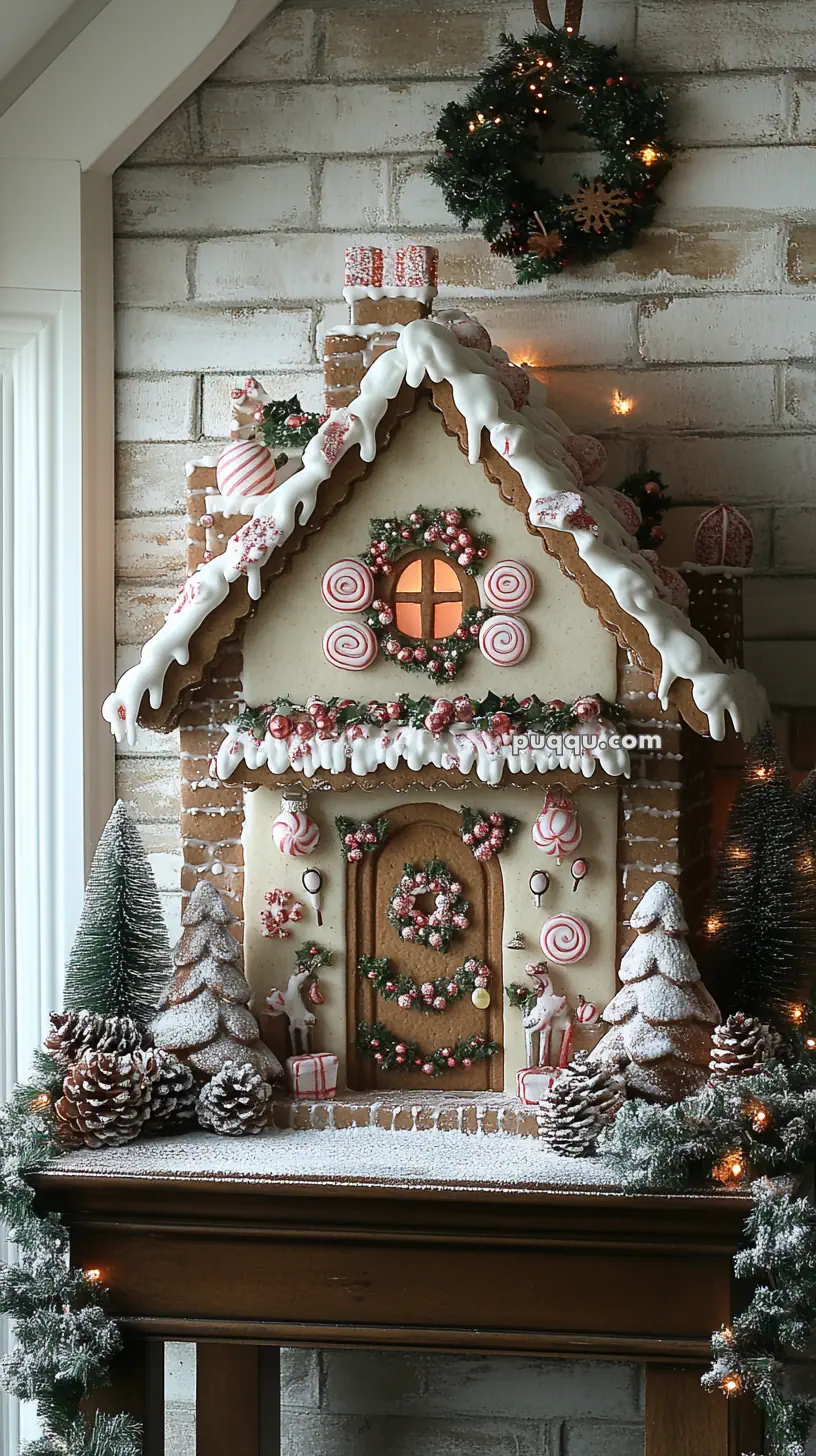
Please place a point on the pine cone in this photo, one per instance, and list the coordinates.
(567, 1119)
(71, 1034)
(175, 1091)
(604, 1089)
(105, 1098)
(739, 1048)
(121, 1034)
(236, 1101)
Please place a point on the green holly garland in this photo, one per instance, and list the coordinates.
(359, 837)
(493, 141)
(285, 425)
(435, 996)
(486, 834)
(521, 997)
(392, 1054)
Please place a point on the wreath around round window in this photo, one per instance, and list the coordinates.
(494, 144)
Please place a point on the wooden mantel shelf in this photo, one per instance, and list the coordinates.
(246, 1261)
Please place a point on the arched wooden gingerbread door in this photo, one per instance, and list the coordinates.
(419, 833)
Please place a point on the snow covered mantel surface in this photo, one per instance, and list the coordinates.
(530, 439)
(356, 1157)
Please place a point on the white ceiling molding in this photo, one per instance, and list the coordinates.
(34, 36)
(151, 57)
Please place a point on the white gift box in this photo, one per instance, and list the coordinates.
(313, 1077)
(533, 1082)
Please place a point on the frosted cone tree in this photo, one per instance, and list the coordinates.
(204, 1017)
(662, 1018)
(120, 959)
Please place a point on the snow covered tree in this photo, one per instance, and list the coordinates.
(120, 961)
(661, 1019)
(760, 927)
(204, 1017)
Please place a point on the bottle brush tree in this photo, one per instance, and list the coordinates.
(760, 926)
(120, 960)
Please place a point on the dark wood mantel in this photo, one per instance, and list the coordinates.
(244, 1267)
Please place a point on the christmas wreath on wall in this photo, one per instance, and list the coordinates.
(494, 144)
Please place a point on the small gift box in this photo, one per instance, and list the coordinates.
(533, 1082)
(412, 267)
(364, 267)
(313, 1077)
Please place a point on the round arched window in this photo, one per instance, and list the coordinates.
(430, 595)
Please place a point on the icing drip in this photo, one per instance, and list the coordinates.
(471, 750)
(531, 439)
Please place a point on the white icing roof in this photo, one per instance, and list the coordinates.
(530, 440)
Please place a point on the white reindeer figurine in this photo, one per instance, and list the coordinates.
(289, 1003)
(541, 1016)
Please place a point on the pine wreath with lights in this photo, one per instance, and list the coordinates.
(495, 141)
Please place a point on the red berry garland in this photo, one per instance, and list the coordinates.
(436, 995)
(394, 1055)
(436, 928)
(447, 530)
(486, 834)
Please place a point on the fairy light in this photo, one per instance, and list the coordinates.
(731, 1384)
(730, 1170)
(40, 1103)
(797, 1014)
(621, 404)
(739, 854)
(93, 1276)
(713, 925)
(810, 1043)
(759, 1116)
(649, 155)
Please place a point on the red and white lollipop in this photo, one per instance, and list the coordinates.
(245, 468)
(509, 586)
(350, 645)
(294, 832)
(557, 830)
(504, 641)
(564, 939)
(348, 586)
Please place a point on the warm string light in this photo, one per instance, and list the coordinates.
(797, 1014)
(730, 1170)
(739, 854)
(621, 404)
(759, 1116)
(731, 1384)
(40, 1103)
(93, 1276)
(810, 1043)
(713, 925)
(649, 155)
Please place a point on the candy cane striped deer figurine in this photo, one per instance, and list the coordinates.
(540, 1017)
(289, 1003)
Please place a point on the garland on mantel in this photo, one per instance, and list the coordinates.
(64, 1337)
(757, 1132)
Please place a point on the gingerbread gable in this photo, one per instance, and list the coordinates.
(522, 452)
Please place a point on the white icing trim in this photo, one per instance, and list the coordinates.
(207, 462)
(529, 441)
(353, 292)
(471, 750)
(362, 331)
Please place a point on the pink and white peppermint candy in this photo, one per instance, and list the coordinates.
(504, 641)
(564, 939)
(509, 586)
(295, 833)
(348, 586)
(557, 830)
(245, 468)
(350, 645)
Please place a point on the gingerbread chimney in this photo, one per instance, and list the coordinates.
(383, 287)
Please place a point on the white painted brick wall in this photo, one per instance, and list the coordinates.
(231, 221)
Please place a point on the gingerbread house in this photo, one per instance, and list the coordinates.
(438, 712)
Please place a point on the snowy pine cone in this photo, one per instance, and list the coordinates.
(174, 1095)
(568, 1119)
(740, 1048)
(604, 1089)
(75, 1032)
(105, 1098)
(235, 1102)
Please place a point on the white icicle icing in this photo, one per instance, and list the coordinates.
(470, 750)
(530, 440)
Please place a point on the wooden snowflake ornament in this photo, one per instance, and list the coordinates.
(596, 207)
